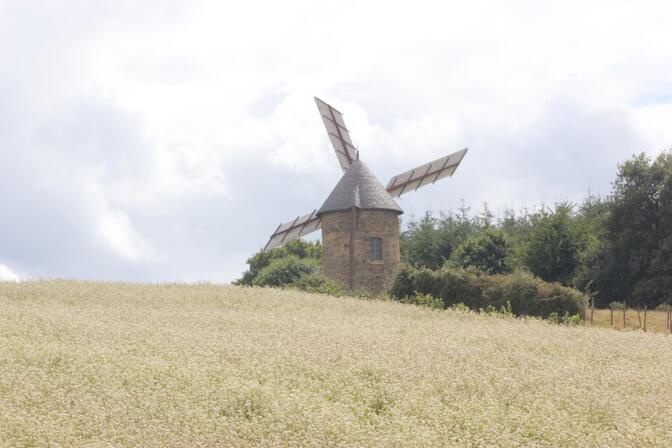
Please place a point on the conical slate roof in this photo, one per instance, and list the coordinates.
(361, 189)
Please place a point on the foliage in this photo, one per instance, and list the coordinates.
(615, 248)
(285, 271)
(620, 245)
(532, 296)
(634, 259)
(520, 293)
(425, 300)
(565, 319)
(317, 283)
(297, 248)
(431, 241)
(459, 307)
(664, 307)
(421, 244)
(553, 248)
(488, 251)
(504, 310)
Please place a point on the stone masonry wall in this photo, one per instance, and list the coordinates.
(373, 276)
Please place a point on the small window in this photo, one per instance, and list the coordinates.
(375, 248)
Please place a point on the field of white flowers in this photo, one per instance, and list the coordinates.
(100, 364)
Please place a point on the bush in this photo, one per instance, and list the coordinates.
(285, 271)
(519, 293)
(461, 307)
(262, 259)
(566, 319)
(467, 286)
(425, 300)
(317, 283)
(530, 296)
(402, 286)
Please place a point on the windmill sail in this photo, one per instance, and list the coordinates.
(425, 174)
(338, 134)
(293, 230)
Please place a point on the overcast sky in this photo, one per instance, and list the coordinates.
(165, 141)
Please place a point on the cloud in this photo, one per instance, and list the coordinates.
(6, 274)
(165, 141)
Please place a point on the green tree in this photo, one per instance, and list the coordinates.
(421, 245)
(517, 225)
(554, 244)
(634, 261)
(298, 248)
(285, 271)
(486, 218)
(489, 251)
(430, 242)
(590, 225)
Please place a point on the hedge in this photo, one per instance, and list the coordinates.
(526, 294)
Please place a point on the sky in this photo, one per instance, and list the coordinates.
(162, 141)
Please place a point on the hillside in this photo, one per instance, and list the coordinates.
(101, 364)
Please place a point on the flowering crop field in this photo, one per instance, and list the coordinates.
(113, 364)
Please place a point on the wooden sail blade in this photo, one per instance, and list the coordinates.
(338, 134)
(425, 174)
(293, 230)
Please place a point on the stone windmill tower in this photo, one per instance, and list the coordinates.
(359, 219)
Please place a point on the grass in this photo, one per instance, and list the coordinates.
(656, 321)
(102, 364)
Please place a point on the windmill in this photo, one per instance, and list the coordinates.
(359, 219)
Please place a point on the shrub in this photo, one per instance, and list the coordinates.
(519, 293)
(402, 286)
(426, 300)
(284, 271)
(467, 286)
(460, 307)
(262, 259)
(531, 296)
(317, 283)
(617, 306)
(427, 282)
(566, 319)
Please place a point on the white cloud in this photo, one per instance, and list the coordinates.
(653, 122)
(6, 274)
(166, 140)
(114, 228)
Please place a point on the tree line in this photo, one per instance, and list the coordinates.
(616, 248)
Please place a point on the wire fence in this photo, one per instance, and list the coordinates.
(622, 318)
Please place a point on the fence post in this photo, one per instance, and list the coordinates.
(645, 309)
(625, 307)
(611, 317)
(639, 318)
(592, 308)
